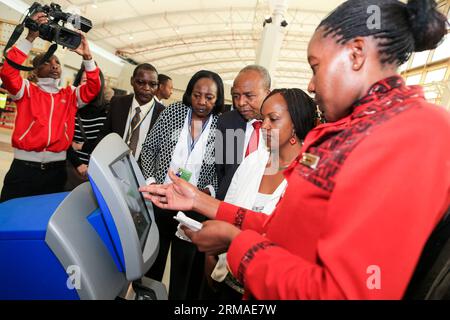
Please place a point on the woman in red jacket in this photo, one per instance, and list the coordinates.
(368, 187)
(45, 120)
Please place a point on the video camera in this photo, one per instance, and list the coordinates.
(53, 31)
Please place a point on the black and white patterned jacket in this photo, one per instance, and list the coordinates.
(160, 144)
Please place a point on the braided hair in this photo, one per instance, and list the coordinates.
(301, 107)
(404, 28)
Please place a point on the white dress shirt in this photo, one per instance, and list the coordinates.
(146, 114)
(157, 100)
(248, 134)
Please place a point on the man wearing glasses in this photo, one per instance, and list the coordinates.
(133, 116)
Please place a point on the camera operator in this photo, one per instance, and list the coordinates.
(45, 119)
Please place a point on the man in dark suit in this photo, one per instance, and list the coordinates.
(237, 129)
(250, 88)
(133, 116)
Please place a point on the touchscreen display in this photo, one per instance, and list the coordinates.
(127, 182)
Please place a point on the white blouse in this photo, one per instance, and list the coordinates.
(261, 201)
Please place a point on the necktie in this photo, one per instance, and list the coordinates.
(134, 129)
(254, 139)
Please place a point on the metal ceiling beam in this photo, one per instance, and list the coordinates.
(206, 63)
(171, 13)
(170, 43)
(156, 30)
(281, 69)
(135, 33)
(230, 60)
(192, 12)
(304, 68)
(170, 47)
(180, 54)
(300, 77)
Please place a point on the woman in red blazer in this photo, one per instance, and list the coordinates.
(367, 188)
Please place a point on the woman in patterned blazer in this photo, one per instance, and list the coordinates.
(182, 141)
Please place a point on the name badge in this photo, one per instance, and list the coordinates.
(184, 174)
(310, 160)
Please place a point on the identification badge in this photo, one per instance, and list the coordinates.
(184, 174)
(310, 160)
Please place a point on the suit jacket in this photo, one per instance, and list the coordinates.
(229, 149)
(117, 118)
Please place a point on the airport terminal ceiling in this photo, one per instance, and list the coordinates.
(181, 37)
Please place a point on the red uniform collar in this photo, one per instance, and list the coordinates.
(391, 89)
(381, 96)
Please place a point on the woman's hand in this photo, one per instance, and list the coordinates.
(77, 146)
(179, 195)
(82, 170)
(214, 238)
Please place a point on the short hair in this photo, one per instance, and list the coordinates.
(144, 66)
(404, 28)
(162, 78)
(220, 101)
(263, 72)
(301, 107)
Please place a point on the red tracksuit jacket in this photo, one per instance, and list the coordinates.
(355, 226)
(45, 121)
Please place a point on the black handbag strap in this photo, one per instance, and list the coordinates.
(80, 124)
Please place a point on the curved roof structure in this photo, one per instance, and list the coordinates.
(182, 37)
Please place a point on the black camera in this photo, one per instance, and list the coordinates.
(54, 30)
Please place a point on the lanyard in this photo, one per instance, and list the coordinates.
(131, 130)
(190, 142)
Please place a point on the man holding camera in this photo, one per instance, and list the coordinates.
(45, 119)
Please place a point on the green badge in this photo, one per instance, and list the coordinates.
(184, 174)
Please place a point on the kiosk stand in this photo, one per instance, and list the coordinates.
(96, 242)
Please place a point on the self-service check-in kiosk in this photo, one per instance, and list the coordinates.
(91, 243)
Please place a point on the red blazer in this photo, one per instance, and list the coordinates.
(354, 227)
